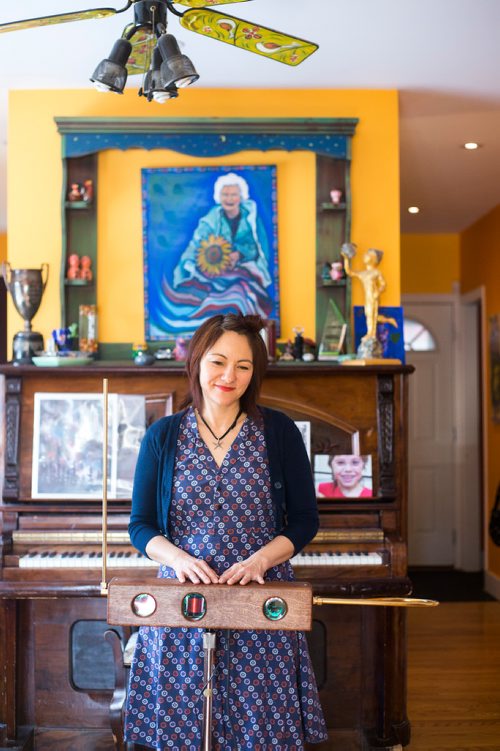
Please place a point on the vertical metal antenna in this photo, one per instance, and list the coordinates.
(104, 584)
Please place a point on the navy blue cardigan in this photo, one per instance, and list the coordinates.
(292, 486)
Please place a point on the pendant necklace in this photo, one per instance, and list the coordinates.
(218, 444)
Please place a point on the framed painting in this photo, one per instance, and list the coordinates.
(67, 444)
(390, 331)
(210, 246)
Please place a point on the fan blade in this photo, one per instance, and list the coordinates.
(80, 15)
(206, 3)
(259, 39)
(142, 48)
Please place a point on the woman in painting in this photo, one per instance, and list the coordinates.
(224, 494)
(224, 267)
(347, 478)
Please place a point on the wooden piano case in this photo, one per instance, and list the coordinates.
(53, 619)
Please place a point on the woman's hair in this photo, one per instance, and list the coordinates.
(231, 179)
(206, 336)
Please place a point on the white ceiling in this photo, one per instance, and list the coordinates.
(442, 55)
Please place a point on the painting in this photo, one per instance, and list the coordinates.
(210, 246)
(343, 476)
(494, 337)
(68, 445)
(389, 330)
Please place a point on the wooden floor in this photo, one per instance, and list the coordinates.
(454, 677)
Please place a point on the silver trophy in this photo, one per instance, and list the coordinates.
(26, 287)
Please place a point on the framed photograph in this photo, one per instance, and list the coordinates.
(389, 330)
(68, 444)
(343, 476)
(305, 429)
(210, 246)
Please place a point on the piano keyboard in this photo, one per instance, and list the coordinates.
(337, 559)
(78, 559)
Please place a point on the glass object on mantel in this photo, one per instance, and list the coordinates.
(87, 328)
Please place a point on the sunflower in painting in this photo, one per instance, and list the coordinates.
(213, 256)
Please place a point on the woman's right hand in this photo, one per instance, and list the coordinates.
(189, 568)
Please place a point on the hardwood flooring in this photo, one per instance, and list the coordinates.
(454, 677)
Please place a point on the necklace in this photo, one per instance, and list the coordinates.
(218, 444)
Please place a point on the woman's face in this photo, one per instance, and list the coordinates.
(226, 370)
(347, 470)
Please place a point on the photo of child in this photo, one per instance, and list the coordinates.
(343, 476)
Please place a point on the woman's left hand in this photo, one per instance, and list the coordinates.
(244, 572)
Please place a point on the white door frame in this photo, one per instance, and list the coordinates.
(469, 538)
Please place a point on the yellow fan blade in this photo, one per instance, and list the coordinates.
(81, 15)
(142, 42)
(259, 39)
(206, 3)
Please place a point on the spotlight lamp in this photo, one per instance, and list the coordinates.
(176, 68)
(111, 73)
(154, 87)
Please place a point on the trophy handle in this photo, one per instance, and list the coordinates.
(45, 267)
(6, 273)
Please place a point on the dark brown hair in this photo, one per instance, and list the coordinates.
(206, 336)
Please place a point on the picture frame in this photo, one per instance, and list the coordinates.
(390, 332)
(68, 444)
(210, 244)
(305, 429)
(343, 476)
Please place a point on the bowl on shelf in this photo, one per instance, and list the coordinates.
(62, 359)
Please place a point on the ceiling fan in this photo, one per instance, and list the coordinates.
(146, 48)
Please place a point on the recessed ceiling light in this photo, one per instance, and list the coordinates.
(471, 146)
(413, 209)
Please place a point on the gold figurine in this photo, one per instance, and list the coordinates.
(373, 284)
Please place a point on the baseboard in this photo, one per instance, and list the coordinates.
(492, 584)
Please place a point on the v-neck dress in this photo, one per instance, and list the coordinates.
(265, 696)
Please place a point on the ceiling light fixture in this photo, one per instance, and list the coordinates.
(471, 146)
(111, 73)
(155, 87)
(413, 209)
(176, 68)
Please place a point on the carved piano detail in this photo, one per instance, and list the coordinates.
(53, 620)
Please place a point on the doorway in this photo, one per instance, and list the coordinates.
(445, 427)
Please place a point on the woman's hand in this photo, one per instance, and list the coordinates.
(189, 568)
(244, 572)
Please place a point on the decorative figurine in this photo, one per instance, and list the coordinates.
(88, 191)
(336, 272)
(180, 349)
(73, 267)
(373, 284)
(86, 271)
(287, 352)
(75, 193)
(336, 196)
(298, 344)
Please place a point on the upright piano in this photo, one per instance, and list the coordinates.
(59, 670)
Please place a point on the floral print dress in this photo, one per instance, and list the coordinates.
(265, 696)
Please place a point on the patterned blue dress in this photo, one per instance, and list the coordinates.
(265, 696)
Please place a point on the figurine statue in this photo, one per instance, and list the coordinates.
(73, 267)
(88, 191)
(373, 284)
(75, 193)
(86, 271)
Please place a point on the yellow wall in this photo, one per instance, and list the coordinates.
(430, 264)
(480, 261)
(3, 247)
(35, 175)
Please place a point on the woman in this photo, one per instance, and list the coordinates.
(347, 476)
(223, 494)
